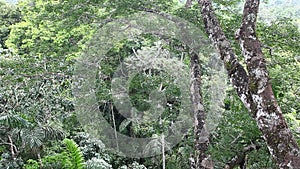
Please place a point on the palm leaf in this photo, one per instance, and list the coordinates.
(32, 137)
(13, 121)
(52, 133)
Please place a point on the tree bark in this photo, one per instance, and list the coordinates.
(254, 88)
(201, 159)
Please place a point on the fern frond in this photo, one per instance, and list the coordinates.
(75, 154)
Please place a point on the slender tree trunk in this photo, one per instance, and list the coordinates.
(254, 88)
(201, 160)
(163, 151)
(188, 3)
(12, 148)
(40, 159)
(114, 125)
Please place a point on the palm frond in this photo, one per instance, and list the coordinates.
(13, 121)
(32, 137)
(53, 133)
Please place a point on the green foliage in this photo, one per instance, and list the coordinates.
(40, 41)
(134, 165)
(13, 121)
(236, 131)
(294, 123)
(55, 37)
(7, 162)
(32, 164)
(70, 157)
(74, 154)
(28, 109)
(281, 40)
(48, 162)
(9, 15)
(280, 9)
(141, 85)
(90, 147)
(59, 160)
(95, 163)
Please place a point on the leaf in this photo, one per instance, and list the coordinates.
(74, 153)
(13, 121)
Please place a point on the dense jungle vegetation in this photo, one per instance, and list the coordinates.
(42, 41)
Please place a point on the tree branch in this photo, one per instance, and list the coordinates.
(240, 160)
(13, 148)
(236, 73)
(202, 160)
(254, 88)
(280, 141)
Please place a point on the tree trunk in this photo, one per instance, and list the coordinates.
(188, 3)
(201, 160)
(254, 88)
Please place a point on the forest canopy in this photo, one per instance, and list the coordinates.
(170, 74)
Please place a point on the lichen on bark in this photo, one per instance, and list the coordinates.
(253, 86)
